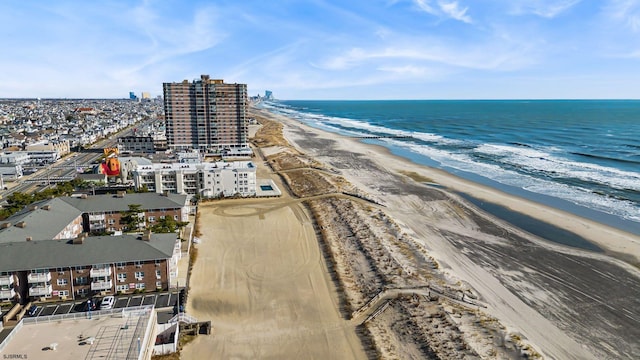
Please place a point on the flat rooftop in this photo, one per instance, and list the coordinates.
(106, 335)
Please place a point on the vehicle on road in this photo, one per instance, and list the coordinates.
(107, 302)
(33, 309)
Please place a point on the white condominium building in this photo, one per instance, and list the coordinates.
(206, 179)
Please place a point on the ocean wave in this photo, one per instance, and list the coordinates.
(540, 165)
(539, 160)
(583, 196)
(368, 128)
(608, 158)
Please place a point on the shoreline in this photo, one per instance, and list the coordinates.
(540, 291)
(534, 226)
(620, 244)
(597, 216)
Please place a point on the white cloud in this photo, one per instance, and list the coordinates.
(425, 6)
(489, 56)
(543, 8)
(626, 11)
(444, 9)
(453, 10)
(167, 39)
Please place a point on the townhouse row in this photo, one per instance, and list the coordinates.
(46, 251)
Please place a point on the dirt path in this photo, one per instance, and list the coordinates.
(263, 283)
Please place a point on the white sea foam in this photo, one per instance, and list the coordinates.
(368, 128)
(580, 196)
(561, 167)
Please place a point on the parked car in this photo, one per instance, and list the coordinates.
(107, 302)
(33, 309)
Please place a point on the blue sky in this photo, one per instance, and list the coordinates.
(321, 49)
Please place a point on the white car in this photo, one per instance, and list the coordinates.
(107, 302)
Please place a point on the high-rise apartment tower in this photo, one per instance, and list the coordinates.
(206, 114)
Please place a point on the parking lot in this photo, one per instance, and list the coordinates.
(159, 300)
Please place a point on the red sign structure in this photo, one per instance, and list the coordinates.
(110, 167)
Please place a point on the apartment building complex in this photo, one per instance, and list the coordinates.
(206, 114)
(86, 266)
(206, 179)
(46, 253)
(103, 213)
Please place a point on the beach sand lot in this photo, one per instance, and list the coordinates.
(261, 279)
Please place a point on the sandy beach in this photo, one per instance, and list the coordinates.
(261, 278)
(366, 259)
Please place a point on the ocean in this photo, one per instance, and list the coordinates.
(582, 156)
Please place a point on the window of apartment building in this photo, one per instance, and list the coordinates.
(140, 286)
(158, 274)
(40, 271)
(82, 292)
(138, 264)
(120, 265)
(122, 277)
(111, 221)
(122, 287)
(60, 271)
(139, 275)
(152, 219)
(62, 282)
(82, 280)
(79, 269)
(158, 262)
(158, 284)
(63, 293)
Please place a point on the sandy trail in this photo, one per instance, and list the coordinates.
(263, 283)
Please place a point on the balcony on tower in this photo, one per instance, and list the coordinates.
(6, 280)
(7, 294)
(100, 284)
(39, 276)
(40, 290)
(100, 271)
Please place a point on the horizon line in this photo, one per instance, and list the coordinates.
(335, 99)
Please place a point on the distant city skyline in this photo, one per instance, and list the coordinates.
(380, 49)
